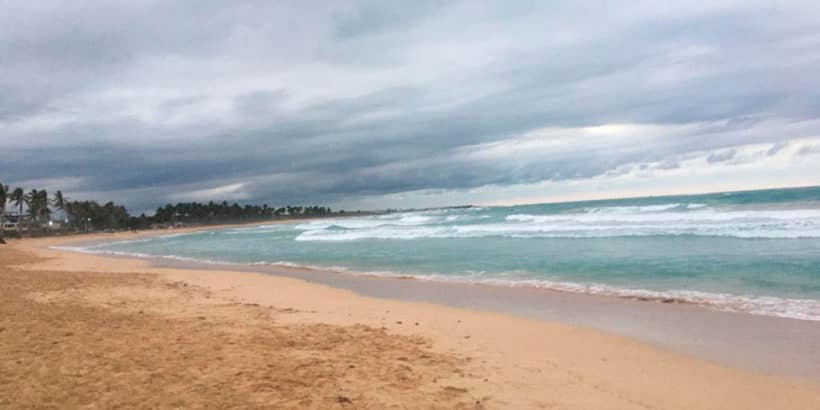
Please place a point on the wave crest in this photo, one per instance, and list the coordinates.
(783, 224)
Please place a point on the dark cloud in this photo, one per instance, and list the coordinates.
(777, 147)
(328, 101)
(722, 156)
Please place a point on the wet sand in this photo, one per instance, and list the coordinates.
(248, 338)
(773, 345)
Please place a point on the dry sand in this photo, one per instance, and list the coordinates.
(80, 330)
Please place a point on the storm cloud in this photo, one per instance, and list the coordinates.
(423, 103)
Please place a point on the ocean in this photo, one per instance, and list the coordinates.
(756, 252)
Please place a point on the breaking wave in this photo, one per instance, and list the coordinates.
(741, 253)
(654, 220)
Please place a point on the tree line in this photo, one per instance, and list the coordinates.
(210, 213)
(85, 216)
(42, 208)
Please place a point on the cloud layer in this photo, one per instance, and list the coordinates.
(371, 104)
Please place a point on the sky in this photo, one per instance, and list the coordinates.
(376, 104)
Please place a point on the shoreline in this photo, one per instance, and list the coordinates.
(781, 346)
(769, 344)
(518, 345)
(771, 306)
(747, 305)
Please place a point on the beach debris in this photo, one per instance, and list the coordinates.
(455, 390)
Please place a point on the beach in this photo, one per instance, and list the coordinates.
(410, 205)
(81, 329)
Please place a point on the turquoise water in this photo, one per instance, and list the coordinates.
(755, 252)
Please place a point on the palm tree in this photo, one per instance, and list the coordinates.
(4, 189)
(59, 202)
(20, 199)
(37, 205)
(42, 205)
(32, 200)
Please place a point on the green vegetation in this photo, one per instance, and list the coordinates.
(89, 216)
(34, 212)
(58, 213)
(200, 213)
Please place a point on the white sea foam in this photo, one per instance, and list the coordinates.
(632, 209)
(698, 216)
(805, 309)
(669, 219)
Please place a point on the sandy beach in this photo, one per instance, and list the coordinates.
(409, 205)
(80, 330)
